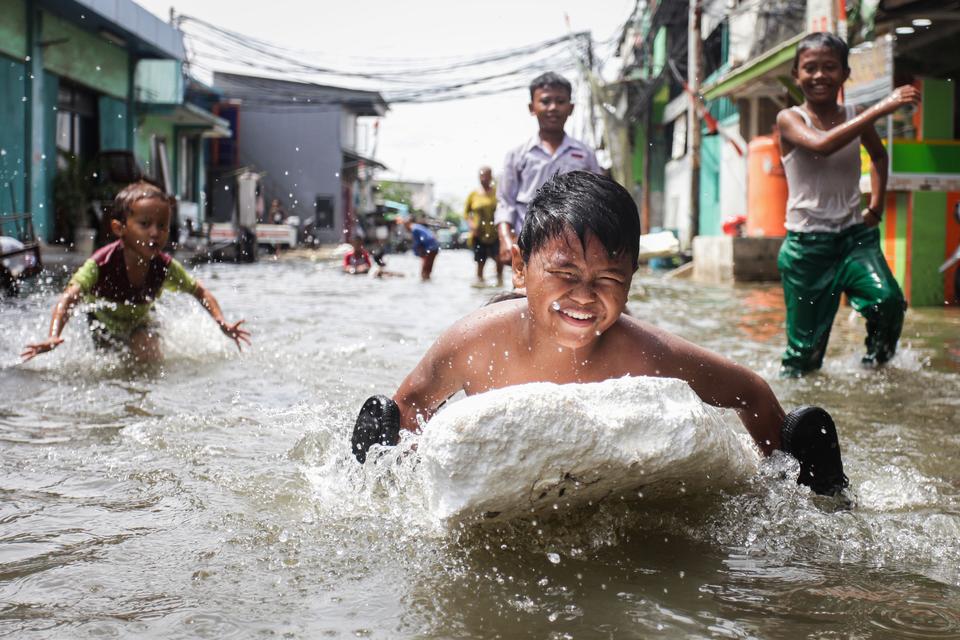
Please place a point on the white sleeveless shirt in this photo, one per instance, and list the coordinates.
(824, 191)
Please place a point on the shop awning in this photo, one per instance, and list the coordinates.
(190, 115)
(765, 75)
(352, 159)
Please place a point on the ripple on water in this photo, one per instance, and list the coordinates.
(218, 492)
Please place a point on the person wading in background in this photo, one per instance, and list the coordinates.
(478, 212)
(833, 244)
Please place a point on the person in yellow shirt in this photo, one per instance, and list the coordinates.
(478, 213)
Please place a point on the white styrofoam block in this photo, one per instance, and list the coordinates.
(523, 449)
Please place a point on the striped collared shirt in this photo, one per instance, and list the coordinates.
(528, 166)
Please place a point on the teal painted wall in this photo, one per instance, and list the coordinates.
(659, 51)
(85, 57)
(13, 139)
(710, 223)
(43, 210)
(148, 127)
(113, 123)
(13, 29)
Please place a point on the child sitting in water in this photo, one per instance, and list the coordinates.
(127, 276)
(358, 260)
(575, 258)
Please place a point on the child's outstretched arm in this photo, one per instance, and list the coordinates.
(61, 313)
(233, 331)
(435, 378)
(722, 383)
(796, 133)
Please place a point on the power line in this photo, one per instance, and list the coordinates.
(426, 80)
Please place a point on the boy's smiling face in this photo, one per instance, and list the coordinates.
(552, 107)
(820, 74)
(147, 229)
(574, 295)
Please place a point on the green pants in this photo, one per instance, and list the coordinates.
(816, 268)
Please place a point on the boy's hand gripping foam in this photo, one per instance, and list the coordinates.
(810, 436)
(378, 423)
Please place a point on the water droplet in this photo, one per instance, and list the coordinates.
(555, 306)
(98, 67)
(554, 558)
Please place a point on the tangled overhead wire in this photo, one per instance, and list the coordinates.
(398, 80)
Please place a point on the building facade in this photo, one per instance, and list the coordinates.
(87, 86)
(739, 69)
(311, 143)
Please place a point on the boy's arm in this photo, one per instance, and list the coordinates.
(878, 176)
(61, 313)
(505, 216)
(435, 378)
(722, 383)
(796, 133)
(233, 331)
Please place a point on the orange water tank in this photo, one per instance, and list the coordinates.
(766, 189)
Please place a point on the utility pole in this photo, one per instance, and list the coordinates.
(694, 72)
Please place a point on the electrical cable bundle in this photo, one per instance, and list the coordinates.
(399, 80)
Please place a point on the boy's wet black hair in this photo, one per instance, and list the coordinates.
(134, 192)
(582, 201)
(550, 79)
(823, 40)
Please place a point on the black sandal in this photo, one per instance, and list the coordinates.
(810, 436)
(378, 423)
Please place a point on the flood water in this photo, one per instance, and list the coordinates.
(215, 496)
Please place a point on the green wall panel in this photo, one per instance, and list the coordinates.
(12, 137)
(639, 142)
(113, 124)
(84, 57)
(923, 157)
(928, 247)
(13, 29)
(937, 108)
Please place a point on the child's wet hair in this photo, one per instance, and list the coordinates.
(134, 192)
(582, 201)
(550, 79)
(823, 40)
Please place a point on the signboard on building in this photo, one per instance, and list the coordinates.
(871, 72)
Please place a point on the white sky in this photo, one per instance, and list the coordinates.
(443, 142)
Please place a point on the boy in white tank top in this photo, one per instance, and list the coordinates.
(832, 246)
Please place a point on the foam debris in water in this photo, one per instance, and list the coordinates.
(542, 446)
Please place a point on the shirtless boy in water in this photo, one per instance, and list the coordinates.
(575, 258)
